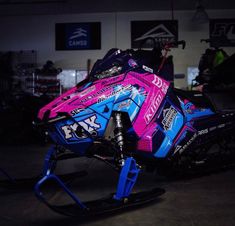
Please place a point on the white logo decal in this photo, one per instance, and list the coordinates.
(115, 93)
(160, 84)
(148, 69)
(169, 115)
(164, 88)
(181, 149)
(224, 29)
(88, 125)
(86, 91)
(153, 108)
(221, 126)
(177, 148)
(159, 31)
(78, 33)
(157, 81)
(204, 131)
(124, 104)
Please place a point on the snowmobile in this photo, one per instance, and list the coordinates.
(128, 116)
(216, 68)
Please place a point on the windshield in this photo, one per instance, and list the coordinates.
(115, 62)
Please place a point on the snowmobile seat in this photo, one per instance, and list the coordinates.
(196, 97)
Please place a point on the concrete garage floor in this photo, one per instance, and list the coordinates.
(201, 201)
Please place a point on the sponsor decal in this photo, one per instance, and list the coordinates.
(202, 132)
(97, 93)
(157, 81)
(181, 149)
(79, 32)
(155, 32)
(112, 80)
(207, 130)
(148, 69)
(76, 111)
(160, 84)
(190, 108)
(164, 88)
(78, 36)
(153, 107)
(221, 125)
(177, 148)
(222, 32)
(212, 128)
(169, 115)
(114, 93)
(160, 30)
(132, 63)
(124, 104)
(86, 91)
(89, 125)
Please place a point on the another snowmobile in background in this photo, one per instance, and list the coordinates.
(216, 68)
(126, 115)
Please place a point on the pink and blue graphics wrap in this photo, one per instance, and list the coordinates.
(155, 121)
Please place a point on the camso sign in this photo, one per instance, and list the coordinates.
(78, 36)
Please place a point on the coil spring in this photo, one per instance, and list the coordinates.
(118, 132)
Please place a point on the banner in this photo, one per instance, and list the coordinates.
(222, 32)
(160, 30)
(78, 36)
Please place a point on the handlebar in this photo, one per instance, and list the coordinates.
(167, 47)
(213, 43)
(173, 44)
(160, 45)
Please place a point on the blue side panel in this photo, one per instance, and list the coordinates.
(130, 101)
(176, 126)
(128, 106)
(78, 132)
(192, 112)
(104, 108)
(184, 133)
(164, 148)
(122, 92)
(170, 121)
(138, 96)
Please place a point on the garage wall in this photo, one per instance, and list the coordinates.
(37, 32)
(188, 31)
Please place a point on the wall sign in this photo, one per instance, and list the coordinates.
(78, 36)
(160, 30)
(222, 32)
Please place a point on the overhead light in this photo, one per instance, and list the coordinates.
(200, 16)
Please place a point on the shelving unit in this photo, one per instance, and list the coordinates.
(42, 84)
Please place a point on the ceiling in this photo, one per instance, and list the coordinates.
(10, 7)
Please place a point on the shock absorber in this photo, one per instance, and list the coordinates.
(118, 134)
